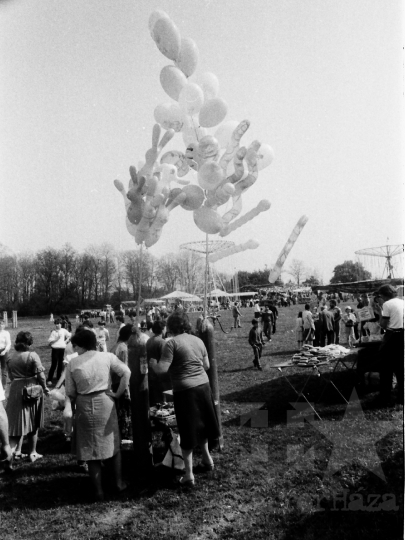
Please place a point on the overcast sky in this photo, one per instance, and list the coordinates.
(320, 80)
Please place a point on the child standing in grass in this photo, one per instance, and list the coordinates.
(255, 341)
(299, 330)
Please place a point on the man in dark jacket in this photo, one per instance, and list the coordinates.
(327, 326)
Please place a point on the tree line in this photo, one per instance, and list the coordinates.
(63, 280)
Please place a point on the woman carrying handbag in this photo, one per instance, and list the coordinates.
(25, 405)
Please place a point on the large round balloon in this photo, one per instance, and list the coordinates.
(207, 220)
(213, 112)
(265, 156)
(191, 98)
(210, 85)
(210, 175)
(195, 197)
(169, 116)
(224, 132)
(154, 17)
(167, 38)
(208, 148)
(188, 57)
(173, 81)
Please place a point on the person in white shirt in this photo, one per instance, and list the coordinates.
(103, 336)
(5, 346)
(392, 348)
(349, 320)
(58, 340)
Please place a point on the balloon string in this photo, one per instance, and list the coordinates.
(195, 129)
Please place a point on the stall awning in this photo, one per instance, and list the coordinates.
(367, 286)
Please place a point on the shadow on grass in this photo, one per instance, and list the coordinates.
(278, 395)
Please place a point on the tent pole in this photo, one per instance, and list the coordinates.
(140, 285)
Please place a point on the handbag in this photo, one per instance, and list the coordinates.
(31, 392)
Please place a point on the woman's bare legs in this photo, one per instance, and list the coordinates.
(95, 476)
(188, 463)
(206, 456)
(16, 444)
(117, 472)
(32, 445)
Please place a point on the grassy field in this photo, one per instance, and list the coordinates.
(284, 479)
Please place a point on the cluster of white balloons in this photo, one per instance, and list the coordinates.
(224, 168)
(196, 106)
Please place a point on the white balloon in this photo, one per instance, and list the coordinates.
(154, 17)
(224, 132)
(191, 99)
(210, 85)
(263, 206)
(265, 156)
(169, 116)
(276, 271)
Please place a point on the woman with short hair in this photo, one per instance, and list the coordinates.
(193, 402)
(88, 383)
(25, 418)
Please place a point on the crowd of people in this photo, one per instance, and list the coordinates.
(97, 400)
(97, 407)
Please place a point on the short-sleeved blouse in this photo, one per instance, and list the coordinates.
(186, 354)
(121, 352)
(91, 372)
(24, 365)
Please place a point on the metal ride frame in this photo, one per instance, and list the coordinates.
(208, 247)
(386, 252)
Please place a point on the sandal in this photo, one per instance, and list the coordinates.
(34, 456)
(18, 456)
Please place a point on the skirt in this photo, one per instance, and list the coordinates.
(196, 416)
(96, 427)
(23, 418)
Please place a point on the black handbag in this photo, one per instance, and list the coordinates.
(31, 392)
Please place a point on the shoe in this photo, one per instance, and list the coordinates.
(49, 383)
(34, 457)
(260, 368)
(7, 464)
(18, 456)
(190, 484)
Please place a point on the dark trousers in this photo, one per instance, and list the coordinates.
(57, 364)
(257, 351)
(390, 361)
(327, 337)
(337, 333)
(267, 329)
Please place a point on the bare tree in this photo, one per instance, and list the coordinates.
(168, 272)
(190, 271)
(297, 270)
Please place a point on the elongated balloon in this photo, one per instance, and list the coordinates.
(276, 271)
(250, 244)
(261, 207)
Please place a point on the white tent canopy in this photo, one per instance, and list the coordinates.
(218, 292)
(179, 295)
